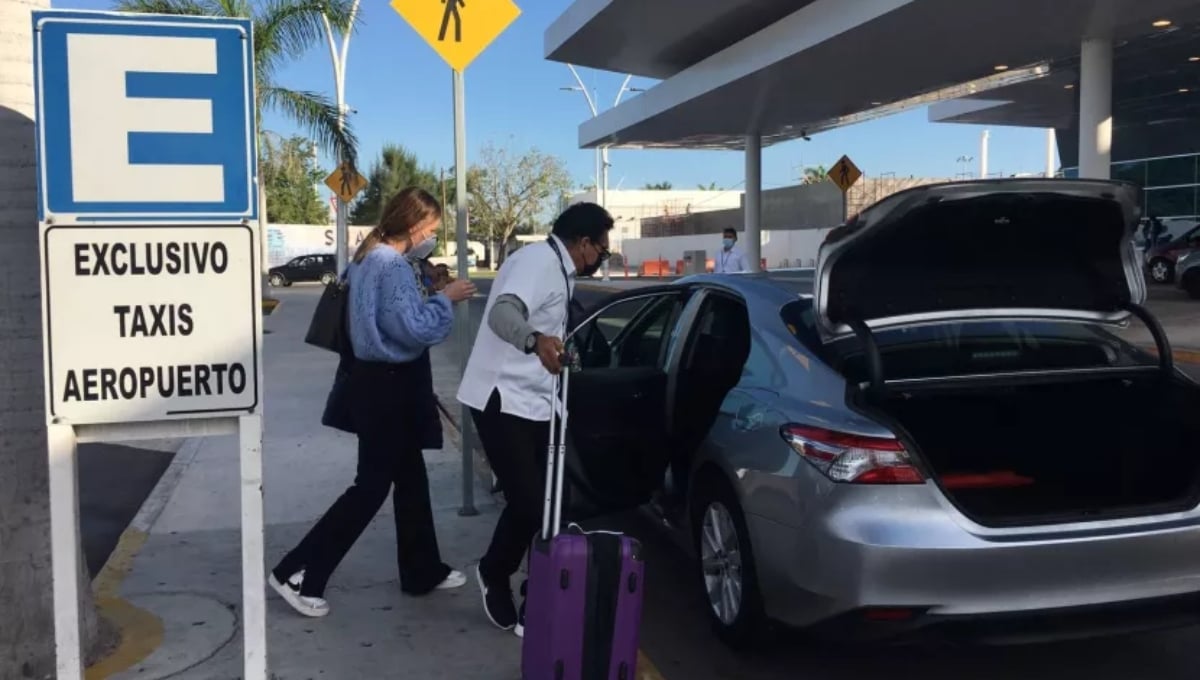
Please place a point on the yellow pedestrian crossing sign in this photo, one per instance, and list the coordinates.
(458, 30)
(346, 182)
(844, 173)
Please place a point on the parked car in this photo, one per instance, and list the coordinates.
(1188, 268)
(305, 269)
(1161, 259)
(931, 432)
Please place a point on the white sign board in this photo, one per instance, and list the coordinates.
(150, 323)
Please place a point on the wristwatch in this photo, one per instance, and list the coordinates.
(531, 342)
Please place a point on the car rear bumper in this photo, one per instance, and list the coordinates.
(920, 560)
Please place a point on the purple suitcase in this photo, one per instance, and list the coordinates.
(583, 609)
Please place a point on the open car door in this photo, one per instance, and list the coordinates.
(617, 429)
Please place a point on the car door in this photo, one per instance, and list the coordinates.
(617, 401)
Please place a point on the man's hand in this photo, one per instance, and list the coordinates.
(549, 350)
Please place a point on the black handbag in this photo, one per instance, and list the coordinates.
(329, 326)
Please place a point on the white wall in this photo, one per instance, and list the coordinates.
(630, 207)
(797, 246)
(285, 241)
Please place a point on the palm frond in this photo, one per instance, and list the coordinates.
(316, 113)
(291, 27)
(184, 7)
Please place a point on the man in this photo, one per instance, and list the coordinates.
(731, 259)
(508, 382)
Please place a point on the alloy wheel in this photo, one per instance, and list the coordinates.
(721, 561)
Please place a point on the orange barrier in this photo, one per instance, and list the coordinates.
(659, 268)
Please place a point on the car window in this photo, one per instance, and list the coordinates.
(296, 262)
(627, 334)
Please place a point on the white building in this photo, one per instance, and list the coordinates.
(630, 207)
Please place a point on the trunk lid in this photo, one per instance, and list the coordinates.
(999, 249)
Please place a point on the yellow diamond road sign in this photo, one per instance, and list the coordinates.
(346, 182)
(458, 30)
(844, 173)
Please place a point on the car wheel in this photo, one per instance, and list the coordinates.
(328, 278)
(1161, 270)
(277, 280)
(728, 578)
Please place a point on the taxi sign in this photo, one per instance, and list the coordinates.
(346, 182)
(458, 30)
(844, 173)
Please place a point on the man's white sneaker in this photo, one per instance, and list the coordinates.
(314, 607)
(456, 579)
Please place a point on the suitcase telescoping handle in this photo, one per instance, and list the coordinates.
(556, 455)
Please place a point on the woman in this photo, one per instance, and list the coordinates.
(392, 325)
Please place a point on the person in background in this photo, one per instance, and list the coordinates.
(730, 259)
(391, 325)
(508, 382)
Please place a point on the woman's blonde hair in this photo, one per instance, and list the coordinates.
(408, 209)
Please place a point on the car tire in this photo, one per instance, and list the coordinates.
(328, 278)
(739, 624)
(1161, 270)
(277, 280)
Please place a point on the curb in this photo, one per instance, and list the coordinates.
(1182, 356)
(140, 631)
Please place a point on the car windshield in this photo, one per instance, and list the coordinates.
(968, 348)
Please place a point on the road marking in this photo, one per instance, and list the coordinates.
(646, 668)
(140, 631)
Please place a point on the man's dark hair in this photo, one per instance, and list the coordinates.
(582, 220)
(730, 231)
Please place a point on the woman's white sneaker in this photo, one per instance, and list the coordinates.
(456, 579)
(314, 607)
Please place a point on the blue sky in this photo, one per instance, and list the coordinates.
(402, 92)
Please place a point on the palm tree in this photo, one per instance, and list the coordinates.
(815, 175)
(27, 626)
(283, 30)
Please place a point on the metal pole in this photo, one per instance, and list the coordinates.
(254, 604)
(983, 155)
(1051, 145)
(462, 319)
(1095, 108)
(64, 550)
(338, 59)
(753, 202)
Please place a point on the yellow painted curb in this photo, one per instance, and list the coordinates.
(1182, 356)
(646, 668)
(141, 632)
(269, 305)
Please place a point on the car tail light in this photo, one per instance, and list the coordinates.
(853, 458)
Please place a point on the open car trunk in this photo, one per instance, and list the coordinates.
(1063, 452)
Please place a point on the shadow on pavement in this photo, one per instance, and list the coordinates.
(114, 481)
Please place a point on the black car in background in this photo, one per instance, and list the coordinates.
(306, 268)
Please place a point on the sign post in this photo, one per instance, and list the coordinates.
(845, 174)
(150, 247)
(460, 34)
(346, 183)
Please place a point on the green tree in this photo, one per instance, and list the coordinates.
(394, 169)
(283, 31)
(509, 190)
(657, 186)
(290, 174)
(712, 186)
(815, 175)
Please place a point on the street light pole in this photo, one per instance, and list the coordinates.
(602, 163)
(338, 58)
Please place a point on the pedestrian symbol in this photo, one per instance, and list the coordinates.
(844, 173)
(452, 13)
(441, 24)
(346, 182)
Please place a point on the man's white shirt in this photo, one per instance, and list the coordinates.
(534, 274)
(730, 261)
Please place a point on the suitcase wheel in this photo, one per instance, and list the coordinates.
(564, 579)
(559, 670)
(623, 671)
(633, 583)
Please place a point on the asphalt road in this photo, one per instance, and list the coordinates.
(677, 638)
(113, 483)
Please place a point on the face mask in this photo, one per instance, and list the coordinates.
(728, 243)
(423, 249)
(592, 268)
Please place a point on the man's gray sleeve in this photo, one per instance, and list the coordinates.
(509, 320)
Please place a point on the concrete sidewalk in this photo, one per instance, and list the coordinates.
(180, 589)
